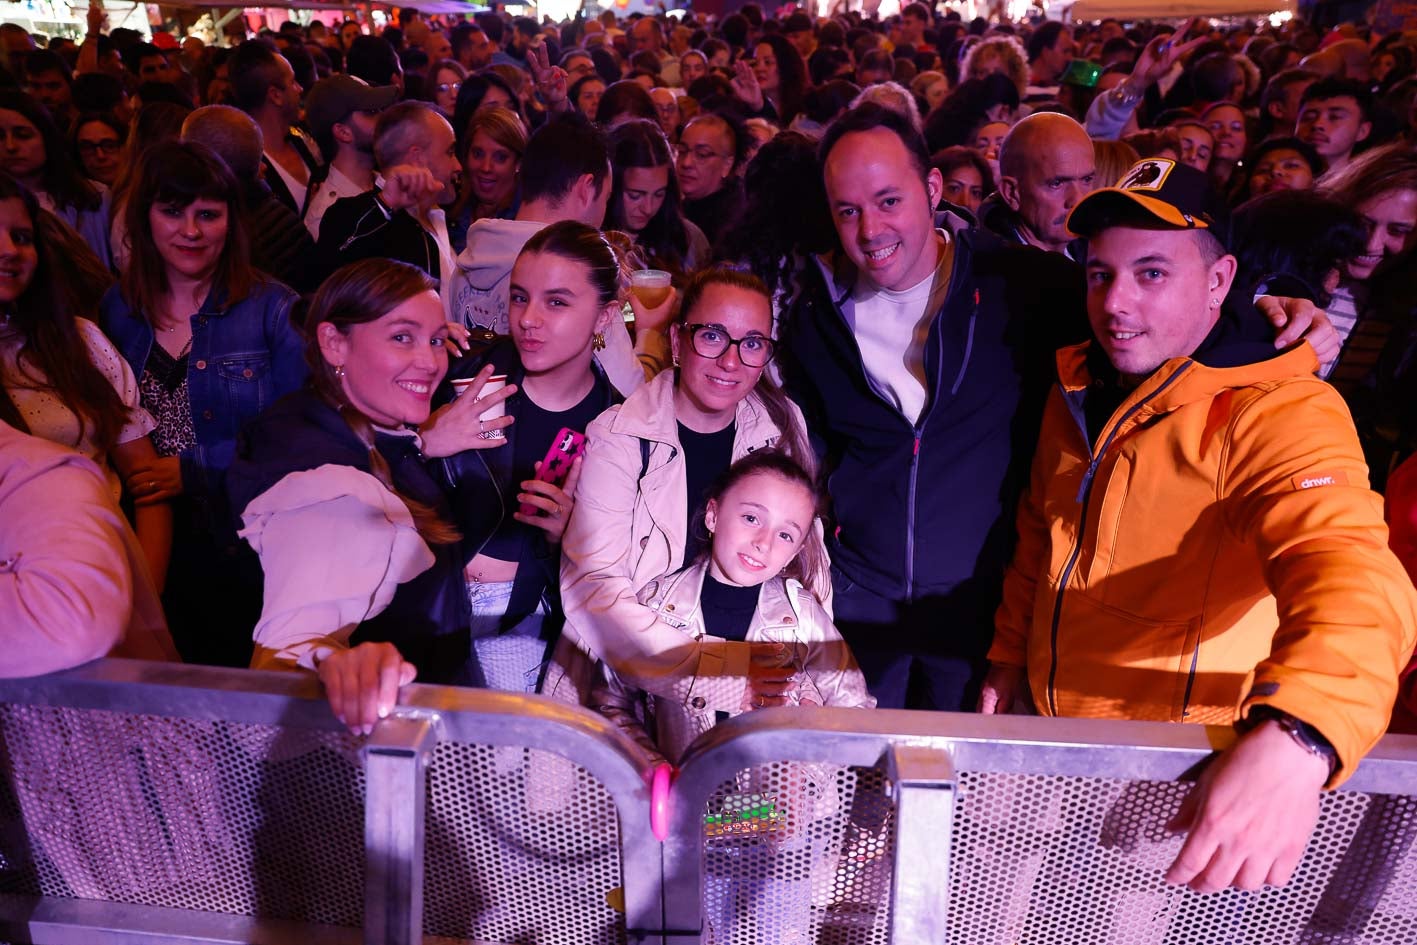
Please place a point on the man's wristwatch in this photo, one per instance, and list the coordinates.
(1305, 735)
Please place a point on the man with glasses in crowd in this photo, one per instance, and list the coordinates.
(708, 152)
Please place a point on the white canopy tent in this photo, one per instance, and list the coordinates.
(1089, 10)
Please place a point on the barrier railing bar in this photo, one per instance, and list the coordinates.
(1138, 751)
(395, 773)
(48, 921)
(176, 690)
(923, 781)
(466, 715)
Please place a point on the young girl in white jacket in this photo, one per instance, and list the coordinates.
(748, 586)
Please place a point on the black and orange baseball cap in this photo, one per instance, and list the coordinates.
(1156, 194)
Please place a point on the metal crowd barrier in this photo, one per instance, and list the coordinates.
(167, 804)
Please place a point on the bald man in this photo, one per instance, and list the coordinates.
(280, 244)
(415, 153)
(1345, 59)
(1046, 167)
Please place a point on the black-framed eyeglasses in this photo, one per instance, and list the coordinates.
(711, 341)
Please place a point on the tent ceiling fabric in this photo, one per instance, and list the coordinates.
(453, 7)
(1086, 10)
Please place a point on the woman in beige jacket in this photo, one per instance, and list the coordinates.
(648, 463)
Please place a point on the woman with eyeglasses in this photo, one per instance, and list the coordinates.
(35, 153)
(445, 79)
(98, 146)
(648, 465)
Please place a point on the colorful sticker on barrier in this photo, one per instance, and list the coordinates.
(744, 815)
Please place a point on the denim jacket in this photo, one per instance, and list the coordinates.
(243, 358)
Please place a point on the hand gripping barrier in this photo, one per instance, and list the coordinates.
(167, 804)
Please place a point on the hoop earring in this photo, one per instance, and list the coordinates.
(597, 341)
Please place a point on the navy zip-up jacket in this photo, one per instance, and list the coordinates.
(926, 510)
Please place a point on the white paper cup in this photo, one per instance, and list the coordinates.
(494, 383)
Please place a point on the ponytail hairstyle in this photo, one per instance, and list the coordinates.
(357, 294)
(578, 242)
(768, 393)
(810, 565)
(67, 284)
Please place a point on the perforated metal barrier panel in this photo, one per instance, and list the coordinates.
(267, 818)
(799, 854)
(523, 846)
(216, 816)
(1040, 860)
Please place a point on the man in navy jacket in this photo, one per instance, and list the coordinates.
(921, 361)
(921, 357)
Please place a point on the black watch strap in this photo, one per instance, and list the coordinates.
(1308, 737)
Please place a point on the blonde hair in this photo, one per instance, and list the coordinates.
(502, 125)
(1006, 48)
(1114, 159)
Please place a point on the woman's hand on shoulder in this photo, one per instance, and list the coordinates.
(553, 503)
(455, 427)
(362, 683)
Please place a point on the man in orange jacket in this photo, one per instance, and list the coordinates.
(1199, 542)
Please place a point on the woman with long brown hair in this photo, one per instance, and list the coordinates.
(38, 157)
(210, 341)
(363, 566)
(60, 378)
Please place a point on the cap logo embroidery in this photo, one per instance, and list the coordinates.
(1148, 175)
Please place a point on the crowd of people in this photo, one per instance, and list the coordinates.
(998, 367)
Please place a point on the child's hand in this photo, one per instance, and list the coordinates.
(770, 675)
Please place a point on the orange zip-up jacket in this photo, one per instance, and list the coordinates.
(1217, 548)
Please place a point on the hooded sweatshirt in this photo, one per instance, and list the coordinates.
(481, 282)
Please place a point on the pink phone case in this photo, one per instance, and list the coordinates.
(556, 465)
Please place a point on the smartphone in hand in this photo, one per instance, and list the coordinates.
(556, 465)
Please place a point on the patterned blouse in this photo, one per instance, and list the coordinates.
(164, 392)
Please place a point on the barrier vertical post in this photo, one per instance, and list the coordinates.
(395, 768)
(925, 788)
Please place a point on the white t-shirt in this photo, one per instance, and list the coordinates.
(49, 418)
(297, 188)
(891, 329)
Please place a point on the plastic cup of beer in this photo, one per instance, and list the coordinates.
(650, 286)
(494, 383)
